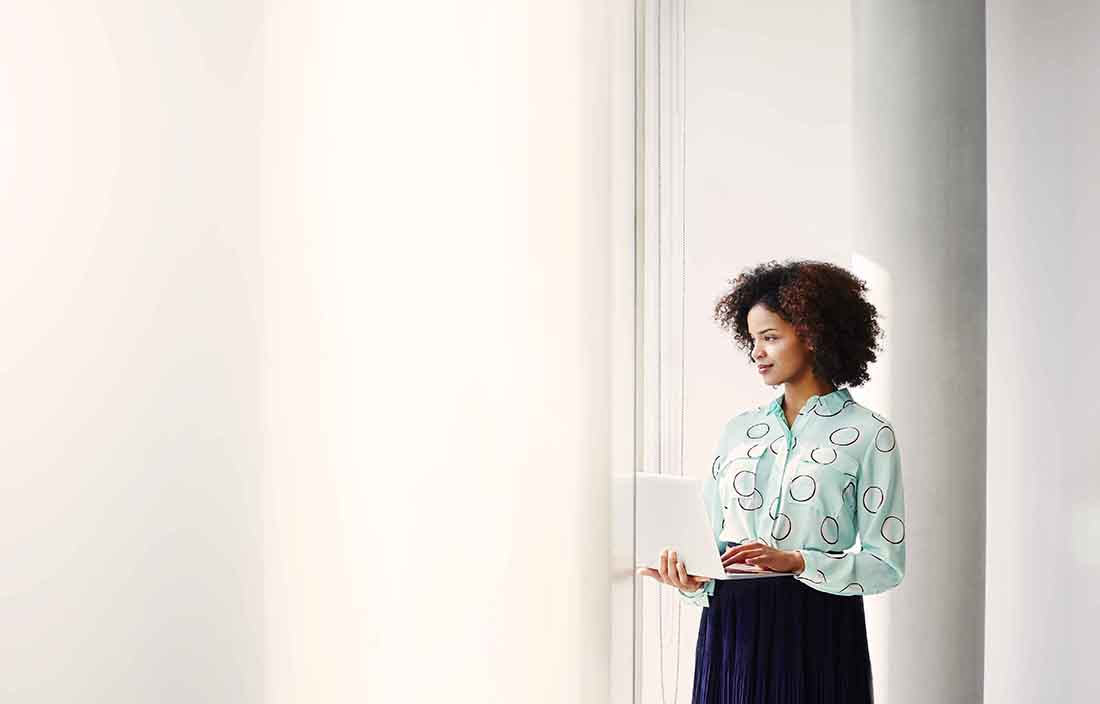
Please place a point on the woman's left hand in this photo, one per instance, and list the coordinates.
(762, 555)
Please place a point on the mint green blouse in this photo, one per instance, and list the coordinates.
(830, 487)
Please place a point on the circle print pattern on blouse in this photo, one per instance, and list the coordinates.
(714, 467)
(857, 586)
(752, 502)
(848, 493)
(744, 482)
(834, 414)
(773, 511)
(758, 431)
(808, 410)
(757, 451)
(823, 455)
(802, 488)
(893, 529)
(782, 445)
(782, 527)
(830, 530)
(884, 439)
(844, 436)
(872, 499)
(879, 418)
(819, 578)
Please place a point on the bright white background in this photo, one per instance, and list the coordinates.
(316, 337)
(131, 550)
(1042, 606)
(305, 302)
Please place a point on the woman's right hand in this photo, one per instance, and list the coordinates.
(673, 572)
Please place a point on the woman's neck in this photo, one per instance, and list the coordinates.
(795, 394)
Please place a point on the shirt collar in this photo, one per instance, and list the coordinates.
(830, 402)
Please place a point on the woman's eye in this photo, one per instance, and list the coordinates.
(769, 338)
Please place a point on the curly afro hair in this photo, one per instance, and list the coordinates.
(823, 302)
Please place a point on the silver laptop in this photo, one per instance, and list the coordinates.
(671, 513)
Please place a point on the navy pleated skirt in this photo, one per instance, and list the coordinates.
(775, 640)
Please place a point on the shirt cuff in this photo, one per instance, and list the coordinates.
(812, 573)
(699, 597)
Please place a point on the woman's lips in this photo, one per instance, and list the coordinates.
(763, 368)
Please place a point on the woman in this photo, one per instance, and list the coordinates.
(793, 484)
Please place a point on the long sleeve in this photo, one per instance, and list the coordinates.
(712, 501)
(878, 564)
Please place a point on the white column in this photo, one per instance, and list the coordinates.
(1042, 605)
(920, 237)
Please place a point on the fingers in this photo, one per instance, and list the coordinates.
(677, 574)
(735, 550)
(670, 568)
(767, 562)
(673, 572)
(746, 553)
(688, 581)
(765, 558)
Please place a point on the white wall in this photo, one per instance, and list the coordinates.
(767, 173)
(131, 566)
(318, 352)
(445, 240)
(1043, 611)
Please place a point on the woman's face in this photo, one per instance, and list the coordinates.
(776, 344)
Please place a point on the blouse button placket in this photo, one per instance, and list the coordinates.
(789, 432)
